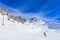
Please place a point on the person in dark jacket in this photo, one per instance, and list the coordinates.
(45, 34)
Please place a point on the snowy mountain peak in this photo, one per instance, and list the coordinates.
(6, 18)
(17, 28)
(33, 20)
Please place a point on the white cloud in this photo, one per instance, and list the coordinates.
(17, 12)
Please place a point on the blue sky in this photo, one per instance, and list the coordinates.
(48, 10)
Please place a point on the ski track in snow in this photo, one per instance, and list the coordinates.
(15, 31)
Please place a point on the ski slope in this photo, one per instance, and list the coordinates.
(27, 31)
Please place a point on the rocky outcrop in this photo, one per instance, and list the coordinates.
(3, 11)
(20, 19)
(12, 17)
(31, 20)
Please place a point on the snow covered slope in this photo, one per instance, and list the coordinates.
(27, 31)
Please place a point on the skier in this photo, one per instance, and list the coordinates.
(45, 34)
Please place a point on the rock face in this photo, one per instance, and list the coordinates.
(20, 19)
(3, 12)
(31, 20)
(12, 17)
(16, 18)
(0, 10)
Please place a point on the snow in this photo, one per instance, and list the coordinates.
(27, 31)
